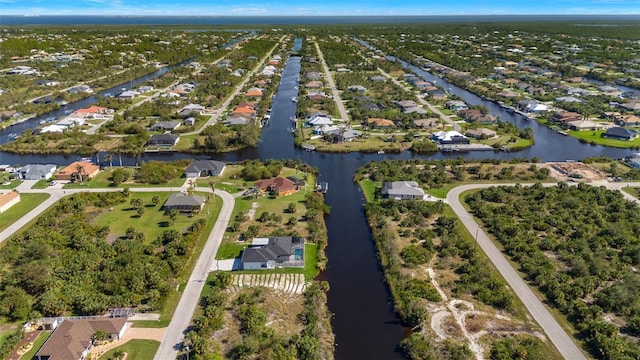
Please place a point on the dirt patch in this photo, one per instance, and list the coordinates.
(252, 212)
(577, 171)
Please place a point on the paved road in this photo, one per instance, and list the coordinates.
(332, 85)
(444, 117)
(563, 342)
(172, 341)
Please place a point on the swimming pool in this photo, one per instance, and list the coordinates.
(297, 254)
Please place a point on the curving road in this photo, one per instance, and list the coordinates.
(172, 340)
(562, 341)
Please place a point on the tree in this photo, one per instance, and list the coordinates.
(136, 203)
(155, 200)
(140, 211)
(291, 208)
(118, 176)
(173, 215)
(79, 170)
(99, 336)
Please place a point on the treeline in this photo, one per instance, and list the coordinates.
(259, 340)
(64, 265)
(220, 138)
(579, 245)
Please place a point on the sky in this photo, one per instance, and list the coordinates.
(317, 7)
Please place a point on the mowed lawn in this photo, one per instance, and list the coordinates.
(596, 137)
(135, 349)
(103, 180)
(27, 203)
(153, 222)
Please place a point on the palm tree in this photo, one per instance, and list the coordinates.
(109, 158)
(212, 185)
(79, 169)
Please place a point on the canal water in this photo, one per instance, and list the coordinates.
(364, 322)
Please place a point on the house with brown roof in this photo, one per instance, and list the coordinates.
(628, 120)
(481, 133)
(378, 122)
(566, 116)
(77, 170)
(279, 185)
(72, 340)
(314, 84)
(426, 123)
(8, 199)
(254, 92)
(245, 111)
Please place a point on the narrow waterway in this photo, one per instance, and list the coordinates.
(364, 322)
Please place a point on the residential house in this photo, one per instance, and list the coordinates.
(315, 84)
(377, 78)
(236, 120)
(634, 161)
(165, 125)
(436, 93)
(279, 185)
(47, 82)
(426, 123)
(91, 112)
(269, 253)
(7, 114)
(77, 170)
(357, 88)
(316, 96)
(319, 120)
(184, 203)
(620, 133)
(35, 172)
(190, 121)
(129, 94)
(532, 106)
(165, 140)
(246, 111)
(568, 99)
(584, 125)
(224, 63)
(341, 135)
(480, 133)
(450, 137)
(8, 199)
(200, 168)
(254, 92)
(628, 120)
(631, 106)
(382, 123)
(402, 190)
(323, 129)
(72, 340)
(369, 107)
(404, 105)
(565, 116)
(456, 105)
(192, 108)
(313, 75)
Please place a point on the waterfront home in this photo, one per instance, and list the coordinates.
(341, 135)
(584, 124)
(279, 185)
(129, 94)
(315, 84)
(73, 339)
(313, 75)
(631, 106)
(184, 203)
(456, 105)
(91, 112)
(402, 190)
(316, 96)
(200, 168)
(481, 133)
(165, 140)
(319, 120)
(620, 133)
(236, 120)
(272, 252)
(532, 106)
(77, 170)
(565, 116)
(449, 137)
(254, 92)
(35, 172)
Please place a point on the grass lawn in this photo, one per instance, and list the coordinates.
(36, 345)
(635, 192)
(136, 350)
(27, 203)
(103, 180)
(369, 189)
(11, 185)
(41, 184)
(230, 250)
(371, 144)
(596, 137)
(153, 222)
(173, 298)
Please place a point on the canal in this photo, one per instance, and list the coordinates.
(364, 322)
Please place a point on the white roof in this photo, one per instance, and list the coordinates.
(446, 135)
(320, 120)
(260, 242)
